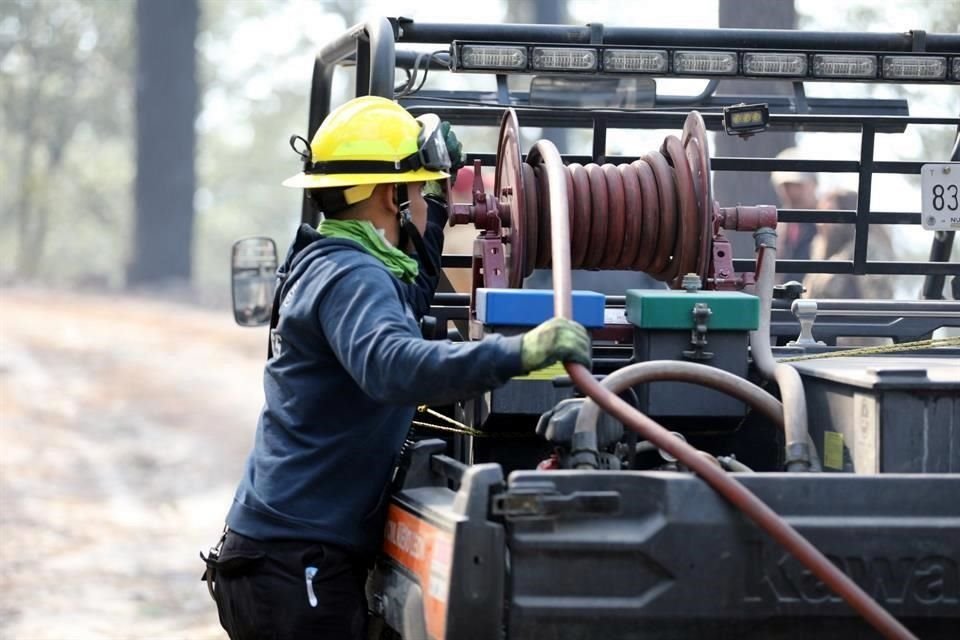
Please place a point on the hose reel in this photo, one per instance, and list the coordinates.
(655, 214)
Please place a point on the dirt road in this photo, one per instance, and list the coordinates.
(124, 424)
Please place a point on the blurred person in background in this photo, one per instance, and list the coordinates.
(835, 242)
(795, 190)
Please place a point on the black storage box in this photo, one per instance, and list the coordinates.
(885, 414)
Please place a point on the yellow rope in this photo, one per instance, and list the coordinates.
(889, 348)
(462, 430)
(425, 409)
(459, 427)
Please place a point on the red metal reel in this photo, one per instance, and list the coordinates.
(617, 215)
(633, 230)
(688, 237)
(531, 219)
(548, 191)
(544, 259)
(599, 206)
(580, 229)
(697, 150)
(509, 192)
(651, 220)
(663, 265)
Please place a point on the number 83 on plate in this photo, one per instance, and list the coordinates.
(940, 196)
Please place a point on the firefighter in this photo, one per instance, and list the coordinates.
(347, 368)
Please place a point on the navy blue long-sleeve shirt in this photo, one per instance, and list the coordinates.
(348, 368)
(421, 290)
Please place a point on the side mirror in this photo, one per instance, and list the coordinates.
(253, 269)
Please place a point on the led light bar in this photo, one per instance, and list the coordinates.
(561, 58)
(635, 61)
(844, 65)
(493, 57)
(745, 119)
(564, 59)
(705, 62)
(914, 67)
(774, 64)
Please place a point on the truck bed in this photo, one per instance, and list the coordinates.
(589, 554)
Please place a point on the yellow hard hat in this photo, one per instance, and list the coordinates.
(371, 140)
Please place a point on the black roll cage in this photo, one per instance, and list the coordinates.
(372, 48)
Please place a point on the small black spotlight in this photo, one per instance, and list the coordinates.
(745, 119)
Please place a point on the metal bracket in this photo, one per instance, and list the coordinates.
(805, 312)
(698, 336)
(537, 504)
(800, 98)
(596, 32)
(918, 40)
(503, 89)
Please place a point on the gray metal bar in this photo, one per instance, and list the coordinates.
(375, 70)
(489, 115)
(862, 233)
(774, 164)
(830, 216)
(758, 38)
(825, 306)
(778, 104)
(378, 36)
(599, 139)
(755, 164)
(903, 308)
(821, 166)
(464, 261)
(846, 267)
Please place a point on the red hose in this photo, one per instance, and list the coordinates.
(723, 484)
(749, 504)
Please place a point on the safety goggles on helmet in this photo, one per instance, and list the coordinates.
(431, 154)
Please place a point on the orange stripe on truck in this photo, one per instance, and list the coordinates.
(427, 552)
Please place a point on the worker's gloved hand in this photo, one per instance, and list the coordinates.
(454, 150)
(433, 189)
(556, 340)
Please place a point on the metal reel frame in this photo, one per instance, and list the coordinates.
(520, 198)
(510, 193)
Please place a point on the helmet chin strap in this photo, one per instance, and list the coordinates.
(409, 231)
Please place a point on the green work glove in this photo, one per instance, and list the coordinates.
(454, 150)
(556, 340)
(433, 188)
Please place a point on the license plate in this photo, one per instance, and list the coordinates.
(940, 196)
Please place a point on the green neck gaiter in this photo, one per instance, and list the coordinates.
(363, 233)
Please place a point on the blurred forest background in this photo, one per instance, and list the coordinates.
(212, 89)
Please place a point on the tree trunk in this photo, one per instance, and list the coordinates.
(24, 208)
(166, 108)
(751, 187)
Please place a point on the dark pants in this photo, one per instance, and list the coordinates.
(282, 590)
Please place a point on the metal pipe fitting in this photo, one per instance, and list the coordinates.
(800, 451)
